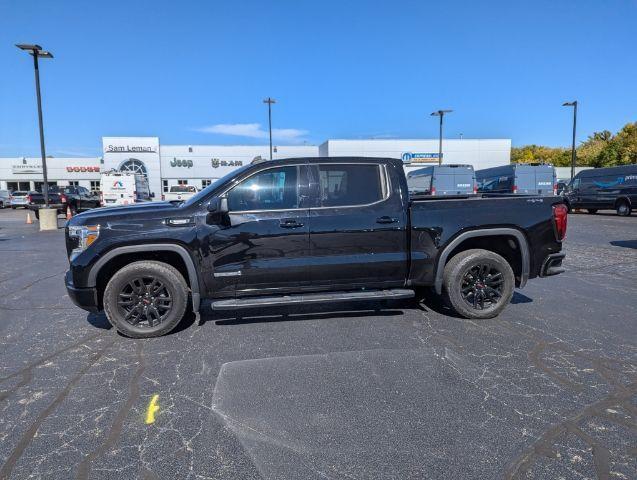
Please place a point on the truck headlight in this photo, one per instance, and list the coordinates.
(84, 236)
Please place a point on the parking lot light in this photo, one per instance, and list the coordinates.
(573, 152)
(441, 114)
(270, 101)
(36, 52)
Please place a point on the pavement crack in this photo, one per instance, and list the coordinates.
(27, 437)
(84, 468)
(27, 372)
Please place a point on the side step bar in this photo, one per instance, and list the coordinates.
(297, 299)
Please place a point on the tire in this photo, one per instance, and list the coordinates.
(623, 208)
(482, 272)
(125, 285)
(592, 211)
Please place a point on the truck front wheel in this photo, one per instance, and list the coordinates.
(145, 299)
(478, 283)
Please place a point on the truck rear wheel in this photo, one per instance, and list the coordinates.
(145, 299)
(478, 283)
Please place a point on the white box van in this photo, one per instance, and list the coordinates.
(123, 188)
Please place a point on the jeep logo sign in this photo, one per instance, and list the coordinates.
(181, 163)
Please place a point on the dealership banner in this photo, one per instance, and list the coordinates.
(409, 158)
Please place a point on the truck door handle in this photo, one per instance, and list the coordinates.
(289, 223)
(386, 219)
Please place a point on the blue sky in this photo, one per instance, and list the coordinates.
(196, 72)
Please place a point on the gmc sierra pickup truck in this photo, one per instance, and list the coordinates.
(308, 230)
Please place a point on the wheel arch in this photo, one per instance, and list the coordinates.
(453, 245)
(146, 252)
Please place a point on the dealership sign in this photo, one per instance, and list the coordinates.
(82, 169)
(26, 168)
(410, 157)
(129, 149)
(216, 163)
(176, 162)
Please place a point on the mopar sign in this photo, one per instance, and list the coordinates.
(410, 157)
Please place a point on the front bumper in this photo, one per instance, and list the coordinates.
(85, 298)
(552, 265)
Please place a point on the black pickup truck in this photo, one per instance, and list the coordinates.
(308, 230)
(77, 199)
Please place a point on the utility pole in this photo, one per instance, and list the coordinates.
(270, 101)
(441, 114)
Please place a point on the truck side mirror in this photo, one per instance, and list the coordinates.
(218, 205)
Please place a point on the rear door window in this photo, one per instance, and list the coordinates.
(343, 185)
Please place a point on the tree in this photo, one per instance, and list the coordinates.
(601, 149)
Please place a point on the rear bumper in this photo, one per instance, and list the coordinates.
(85, 298)
(552, 265)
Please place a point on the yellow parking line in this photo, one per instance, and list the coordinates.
(152, 409)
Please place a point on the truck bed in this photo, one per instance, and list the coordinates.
(436, 221)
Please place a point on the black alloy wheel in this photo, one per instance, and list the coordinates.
(478, 283)
(482, 286)
(145, 301)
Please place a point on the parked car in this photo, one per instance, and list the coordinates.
(5, 198)
(77, 199)
(442, 180)
(613, 188)
(179, 193)
(561, 186)
(302, 231)
(123, 188)
(518, 178)
(19, 199)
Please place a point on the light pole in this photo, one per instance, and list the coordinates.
(37, 52)
(441, 114)
(270, 101)
(573, 153)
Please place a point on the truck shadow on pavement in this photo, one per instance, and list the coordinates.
(624, 243)
(99, 320)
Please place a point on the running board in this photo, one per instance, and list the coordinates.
(297, 299)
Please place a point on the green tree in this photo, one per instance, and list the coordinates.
(601, 149)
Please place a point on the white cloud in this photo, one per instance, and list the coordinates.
(254, 130)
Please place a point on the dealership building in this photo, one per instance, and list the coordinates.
(199, 165)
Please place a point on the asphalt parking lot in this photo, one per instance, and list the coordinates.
(405, 390)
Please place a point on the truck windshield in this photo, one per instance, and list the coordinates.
(198, 197)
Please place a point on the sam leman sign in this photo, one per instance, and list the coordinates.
(130, 148)
(409, 157)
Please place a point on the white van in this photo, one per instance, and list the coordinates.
(123, 188)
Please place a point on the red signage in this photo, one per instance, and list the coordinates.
(82, 169)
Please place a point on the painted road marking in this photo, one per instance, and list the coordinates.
(152, 409)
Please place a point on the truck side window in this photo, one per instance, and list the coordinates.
(272, 189)
(350, 185)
